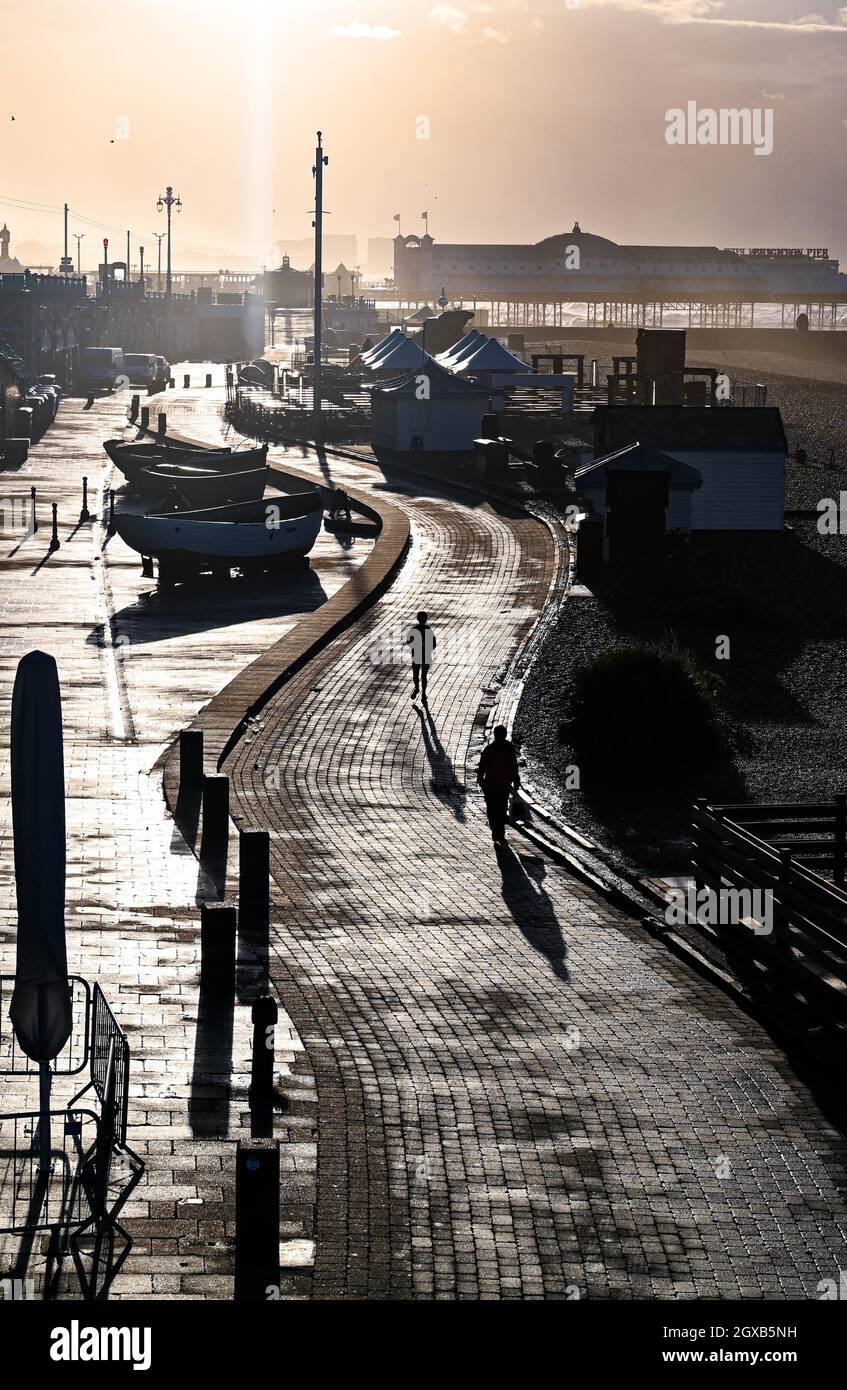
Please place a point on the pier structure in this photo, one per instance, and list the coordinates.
(545, 284)
(622, 308)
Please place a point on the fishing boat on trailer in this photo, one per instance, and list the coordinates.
(250, 536)
(189, 486)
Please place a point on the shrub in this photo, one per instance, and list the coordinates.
(640, 708)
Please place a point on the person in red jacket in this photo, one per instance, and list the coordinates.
(498, 775)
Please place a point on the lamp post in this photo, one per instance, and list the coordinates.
(169, 200)
(158, 236)
(66, 265)
(318, 171)
(78, 236)
(105, 265)
(126, 272)
(141, 258)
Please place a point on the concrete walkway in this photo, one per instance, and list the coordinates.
(518, 1093)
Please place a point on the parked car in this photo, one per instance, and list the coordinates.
(146, 369)
(100, 367)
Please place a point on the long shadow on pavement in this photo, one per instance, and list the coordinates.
(211, 1077)
(205, 604)
(444, 782)
(524, 895)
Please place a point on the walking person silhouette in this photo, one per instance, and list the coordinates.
(421, 640)
(498, 775)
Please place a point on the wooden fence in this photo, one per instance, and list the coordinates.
(792, 946)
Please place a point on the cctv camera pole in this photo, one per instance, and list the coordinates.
(320, 160)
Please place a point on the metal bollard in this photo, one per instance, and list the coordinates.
(208, 378)
(133, 408)
(54, 539)
(163, 422)
(217, 950)
(84, 514)
(186, 381)
(215, 810)
(190, 759)
(145, 417)
(33, 526)
(111, 526)
(256, 1219)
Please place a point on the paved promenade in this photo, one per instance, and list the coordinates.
(519, 1094)
(494, 1084)
(135, 666)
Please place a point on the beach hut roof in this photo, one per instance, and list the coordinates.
(469, 343)
(490, 356)
(441, 383)
(406, 353)
(639, 458)
(389, 341)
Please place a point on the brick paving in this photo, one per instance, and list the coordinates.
(519, 1094)
(494, 1085)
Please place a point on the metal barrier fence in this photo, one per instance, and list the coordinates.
(71, 1192)
(108, 1041)
(74, 1055)
(32, 1199)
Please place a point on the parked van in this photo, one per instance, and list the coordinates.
(100, 367)
(145, 369)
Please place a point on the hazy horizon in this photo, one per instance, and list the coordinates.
(506, 120)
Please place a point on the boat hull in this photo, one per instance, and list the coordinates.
(197, 487)
(131, 458)
(191, 545)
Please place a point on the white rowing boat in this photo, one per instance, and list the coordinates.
(253, 536)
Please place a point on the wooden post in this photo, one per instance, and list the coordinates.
(701, 804)
(133, 408)
(253, 878)
(111, 526)
(840, 834)
(190, 759)
(264, 1014)
(215, 810)
(217, 950)
(163, 423)
(186, 381)
(256, 1219)
(208, 379)
(145, 417)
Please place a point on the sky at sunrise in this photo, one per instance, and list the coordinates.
(505, 119)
